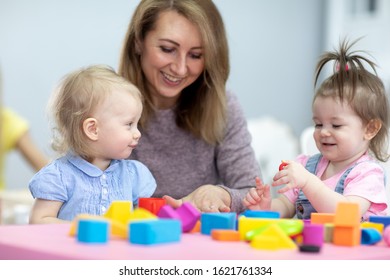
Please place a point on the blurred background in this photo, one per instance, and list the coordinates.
(274, 46)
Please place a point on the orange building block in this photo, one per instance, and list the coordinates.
(322, 218)
(196, 228)
(347, 236)
(225, 235)
(347, 214)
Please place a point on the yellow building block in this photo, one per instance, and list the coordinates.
(376, 226)
(273, 238)
(119, 211)
(141, 214)
(247, 224)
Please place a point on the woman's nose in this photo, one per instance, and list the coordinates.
(180, 65)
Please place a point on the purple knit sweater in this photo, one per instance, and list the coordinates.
(181, 163)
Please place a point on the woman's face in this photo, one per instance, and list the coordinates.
(171, 58)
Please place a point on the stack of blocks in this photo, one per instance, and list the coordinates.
(264, 230)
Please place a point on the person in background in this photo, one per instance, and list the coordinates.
(351, 117)
(195, 137)
(96, 114)
(15, 136)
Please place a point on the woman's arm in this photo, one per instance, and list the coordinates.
(31, 152)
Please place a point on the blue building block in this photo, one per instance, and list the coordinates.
(370, 236)
(210, 221)
(385, 220)
(93, 231)
(149, 232)
(261, 214)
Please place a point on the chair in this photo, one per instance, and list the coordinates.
(272, 141)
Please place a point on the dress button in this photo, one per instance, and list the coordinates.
(105, 191)
(104, 177)
(103, 209)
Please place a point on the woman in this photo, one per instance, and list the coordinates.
(194, 134)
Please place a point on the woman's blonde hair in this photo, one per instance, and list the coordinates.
(75, 100)
(201, 108)
(364, 91)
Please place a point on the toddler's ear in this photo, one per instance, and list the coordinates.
(90, 128)
(372, 128)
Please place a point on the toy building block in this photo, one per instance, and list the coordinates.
(141, 214)
(313, 234)
(168, 212)
(347, 224)
(116, 228)
(189, 215)
(210, 221)
(347, 214)
(149, 232)
(75, 222)
(328, 233)
(261, 214)
(119, 211)
(291, 227)
(370, 236)
(225, 235)
(196, 228)
(273, 238)
(385, 220)
(152, 204)
(322, 218)
(386, 235)
(376, 226)
(346, 236)
(246, 224)
(93, 231)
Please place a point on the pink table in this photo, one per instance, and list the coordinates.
(44, 242)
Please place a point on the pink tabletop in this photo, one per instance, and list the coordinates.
(44, 242)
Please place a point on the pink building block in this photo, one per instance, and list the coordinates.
(186, 213)
(189, 215)
(168, 212)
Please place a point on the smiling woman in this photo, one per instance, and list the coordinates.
(195, 137)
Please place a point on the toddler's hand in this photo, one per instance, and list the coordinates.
(258, 198)
(292, 175)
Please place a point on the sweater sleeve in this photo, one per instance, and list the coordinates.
(235, 157)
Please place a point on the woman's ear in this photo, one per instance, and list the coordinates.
(372, 128)
(90, 127)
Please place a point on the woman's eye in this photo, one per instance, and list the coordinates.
(166, 50)
(196, 55)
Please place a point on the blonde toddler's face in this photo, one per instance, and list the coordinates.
(340, 134)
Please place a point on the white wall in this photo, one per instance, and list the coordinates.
(274, 46)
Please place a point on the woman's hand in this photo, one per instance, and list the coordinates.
(258, 198)
(206, 198)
